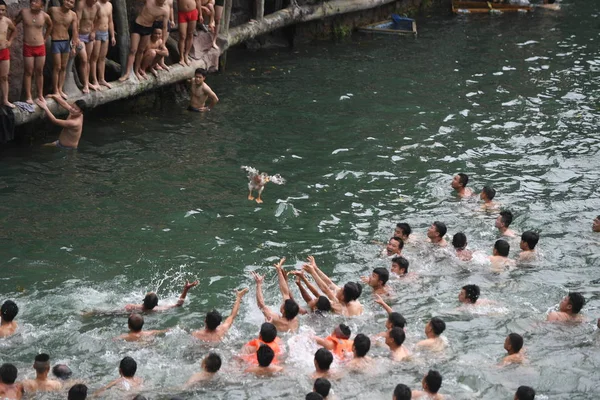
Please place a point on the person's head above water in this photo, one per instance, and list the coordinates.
(77, 392)
(402, 392)
(459, 181)
(459, 241)
(323, 304)
(436, 231)
(41, 363)
(322, 386)
(8, 374)
(290, 309)
(529, 240)
(469, 294)
(135, 322)
(323, 359)
(211, 363)
(525, 393)
(596, 224)
(395, 320)
(265, 355)
(394, 246)
(513, 343)
(572, 303)
(213, 320)
(127, 367)
(501, 248)
(504, 219)
(313, 396)
(379, 277)
(435, 327)
(402, 230)
(268, 332)
(361, 345)
(62, 372)
(395, 337)
(8, 311)
(487, 193)
(400, 265)
(350, 292)
(342, 331)
(150, 301)
(432, 382)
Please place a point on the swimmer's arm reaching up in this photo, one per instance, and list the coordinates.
(234, 312)
(305, 295)
(186, 287)
(283, 285)
(311, 269)
(383, 304)
(260, 300)
(322, 275)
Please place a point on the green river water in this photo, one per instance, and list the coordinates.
(157, 197)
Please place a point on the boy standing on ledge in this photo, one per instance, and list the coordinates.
(105, 31)
(63, 19)
(7, 35)
(200, 92)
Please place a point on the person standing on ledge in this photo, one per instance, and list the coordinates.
(72, 126)
(459, 184)
(200, 92)
(188, 14)
(105, 30)
(63, 19)
(8, 32)
(218, 14)
(87, 15)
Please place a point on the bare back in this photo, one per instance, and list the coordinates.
(8, 329)
(41, 385)
(11, 392)
(70, 136)
(61, 21)
(33, 26)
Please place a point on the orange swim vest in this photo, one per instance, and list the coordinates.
(341, 347)
(274, 345)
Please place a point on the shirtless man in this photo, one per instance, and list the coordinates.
(140, 35)
(503, 222)
(188, 14)
(596, 224)
(459, 184)
(361, 362)
(459, 242)
(77, 392)
(568, 309)
(34, 48)
(8, 312)
(469, 296)
(105, 30)
(41, 383)
(150, 302)
(217, 20)
(431, 385)
(158, 24)
(399, 266)
(127, 380)
(403, 231)
(525, 393)
(63, 19)
(394, 339)
(214, 330)
(529, 240)
(155, 51)
(265, 356)
(513, 345)
(207, 10)
(394, 247)
(436, 233)
(394, 320)
(72, 126)
(9, 390)
(487, 195)
(8, 32)
(200, 92)
(378, 280)
(318, 304)
(499, 257)
(322, 361)
(135, 324)
(433, 330)
(210, 366)
(87, 15)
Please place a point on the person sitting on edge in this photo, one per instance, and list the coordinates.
(525, 393)
(568, 309)
(394, 340)
(403, 231)
(503, 222)
(377, 281)
(41, 383)
(394, 247)
(433, 330)
(360, 347)
(150, 302)
(87, 14)
(135, 322)
(513, 345)
(8, 32)
(322, 386)
(487, 195)
(155, 51)
(459, 242)
(62, 372)
(344, 300)
(34, 46)
(394, 320)
(499, 257)
(63, 20)
(322, 361)
(8, 312)
(214, 330)
(596, 224)
(431, 385)
(313, 396)
(77, 392)
(459, 184)
(320, 303)
(338, 342)
(399, 266)
(9, 390)
(211, 364)
(265, 356)
(529, 240)
(105, 30)
(127, 380)
(402, 392)
(200, 92)
(268, 336)
(71, 127)
(436, 233)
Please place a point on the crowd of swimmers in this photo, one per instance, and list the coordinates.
(264, 355)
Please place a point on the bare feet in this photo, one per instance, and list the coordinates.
(104, 83)
(94, 87)
(164, 66)
(139, 76)
(124, 78)
(64, 95)
(9, 104)
(159, 67)
(154, 72)
(40, 98)
(182, 63)
(143, 74)
(29, 101)
(86, 90)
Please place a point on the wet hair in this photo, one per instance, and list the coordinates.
(402, 263)
(290, 309)
(213, 320)
(352, 291)
(577, 302)
(8, 374)
(405, 228)
(440, 227)
(265, 355)
(398, 335)
(472, 292)
(383, 274)
(313, 396)
(516, 341)
(150, 301)
(135, 322)
(433, 380)
(323, 304)
(81, 105)
(402, 392)
(362, 344)
(506, 217)
(62, 372)
(324, 358)
(399, 240)
(489, 191)
(140, 397)
(212, 362)
(200, 71)
(344, 330)
(268, 332)
(78, 391)
(459, 240)
(128, 366)
(525, 393)
(41, 363)
(437, 325)
(9, 310)
(502, 247)
(531, 238)
(463, 179)
(322, 386)
(397, 320)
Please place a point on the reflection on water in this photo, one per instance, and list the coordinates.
(154, 198)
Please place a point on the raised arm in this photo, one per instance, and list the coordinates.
(260, 300)
(305, 295)
(283, 285)
(322, 275)
(383, 304)
(60, 101)
(63, 123)
(322, 285)
(236, 308)
(186, 289)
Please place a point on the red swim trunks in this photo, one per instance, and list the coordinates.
(189, 16)
(5, 54)
(34, 51)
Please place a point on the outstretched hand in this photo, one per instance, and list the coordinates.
(308, 268)
(259, 279)
(379, 300)
(42, 103)
(279, 265)
(189, 285)
(241, 293)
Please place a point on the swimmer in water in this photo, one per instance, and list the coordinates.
(394, 247)
(596, 224)
(62, 372)
(150, 302)
(394, 339)
(9, 390)
(318, 304)
(525, 393)
(513, 344)
(469, 296)
(459, 184)
(214, 330)
(338, 342)
(210, 366)
(487, 195)
(402, 392)
(499, 257)
(529, 240)
(433, 330)
(436, 233)
(8, 312)
(322, 386)
(459, 242)
(41, 383)
(503, 222)
(403, 231)
(394, 320)
(378, 280)
(265, 356)
(313, 396)
(267, 336)
(322, 362)
(568, 309)
(78, 392)
(431, 385)
(135, 322)
(399, 266)
(360, 347)
(127, 380)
